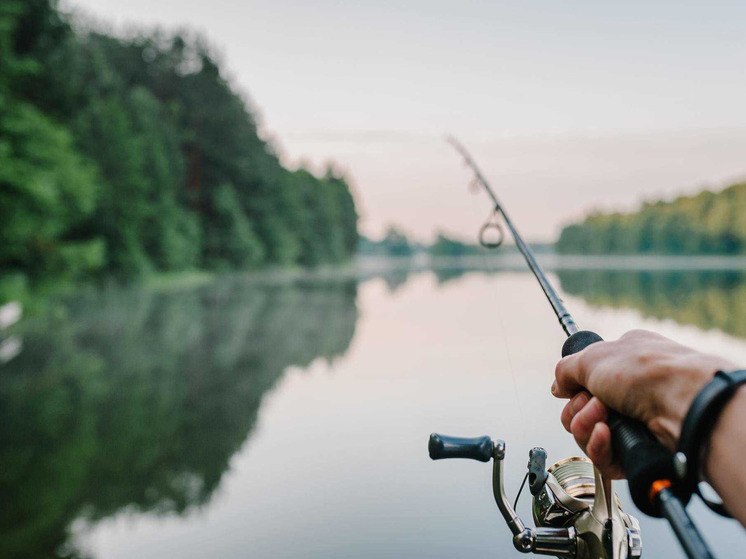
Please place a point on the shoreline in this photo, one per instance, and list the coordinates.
(368, 267)
(553, 261)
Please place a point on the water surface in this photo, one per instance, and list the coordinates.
(254, 418)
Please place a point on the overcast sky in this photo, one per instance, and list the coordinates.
(568, 107)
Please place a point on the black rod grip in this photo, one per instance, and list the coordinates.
(443, 446)
(643, 458)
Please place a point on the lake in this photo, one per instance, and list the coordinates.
(288, 417)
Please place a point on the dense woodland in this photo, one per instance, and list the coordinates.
(131, 155)
(708, 223)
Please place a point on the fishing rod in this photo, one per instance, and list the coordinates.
(574, 508)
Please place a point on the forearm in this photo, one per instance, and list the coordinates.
(726, 456)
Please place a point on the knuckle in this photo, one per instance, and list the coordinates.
(635, 333)
(635, 337)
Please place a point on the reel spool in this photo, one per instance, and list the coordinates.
(569, 498)
(575, 476)
(572, 489)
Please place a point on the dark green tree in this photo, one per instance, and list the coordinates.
(47, 190)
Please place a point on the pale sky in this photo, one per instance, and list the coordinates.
(566, 106)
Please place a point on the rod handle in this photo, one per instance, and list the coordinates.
(644, 459)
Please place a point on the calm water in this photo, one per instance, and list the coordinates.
(259, 419)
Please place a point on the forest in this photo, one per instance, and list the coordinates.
(707, 223)
(127, 155)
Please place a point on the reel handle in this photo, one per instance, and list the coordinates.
(477, 448)
(644, 459)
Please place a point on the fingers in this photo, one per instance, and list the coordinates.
(597, 370)
(600, 453)
(580, 370)
(588, 426)
(576, 372)
(570, 374)
(585, 420)
(572, 407)
(567, 377)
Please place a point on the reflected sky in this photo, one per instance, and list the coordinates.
(253, 420)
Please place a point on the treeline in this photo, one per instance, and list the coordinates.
(131, 155)
(708, 223)
(396, 243)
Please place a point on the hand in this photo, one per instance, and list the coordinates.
(642, 375)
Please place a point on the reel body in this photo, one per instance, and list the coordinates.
(575, 510)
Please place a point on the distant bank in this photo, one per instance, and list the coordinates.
(707, 223)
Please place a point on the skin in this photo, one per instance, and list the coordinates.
(653, 379)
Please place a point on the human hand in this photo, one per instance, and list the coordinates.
(642, 375)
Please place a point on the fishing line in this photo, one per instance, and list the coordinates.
(520, 490)
(493, 223)
(511, 370)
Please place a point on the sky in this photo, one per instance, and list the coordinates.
(567, 107)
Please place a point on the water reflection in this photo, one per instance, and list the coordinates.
(706, 299)
(135, 399)
(132, 401)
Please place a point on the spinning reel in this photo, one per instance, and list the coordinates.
(575, 510)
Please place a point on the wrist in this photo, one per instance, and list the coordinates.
(690, 384)
(713, 414)
(721, 437)
(679, 392)
(689, 374)
(723, 461)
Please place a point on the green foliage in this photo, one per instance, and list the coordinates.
(396, 243)
(136, 154)
(46, 191)
(708, 223)
(230, 239)
(447, 246)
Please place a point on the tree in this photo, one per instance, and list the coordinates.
(47, 190)
(397, 243)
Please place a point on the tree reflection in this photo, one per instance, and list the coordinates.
(706, 299)
(446, 275)
(133, 399)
